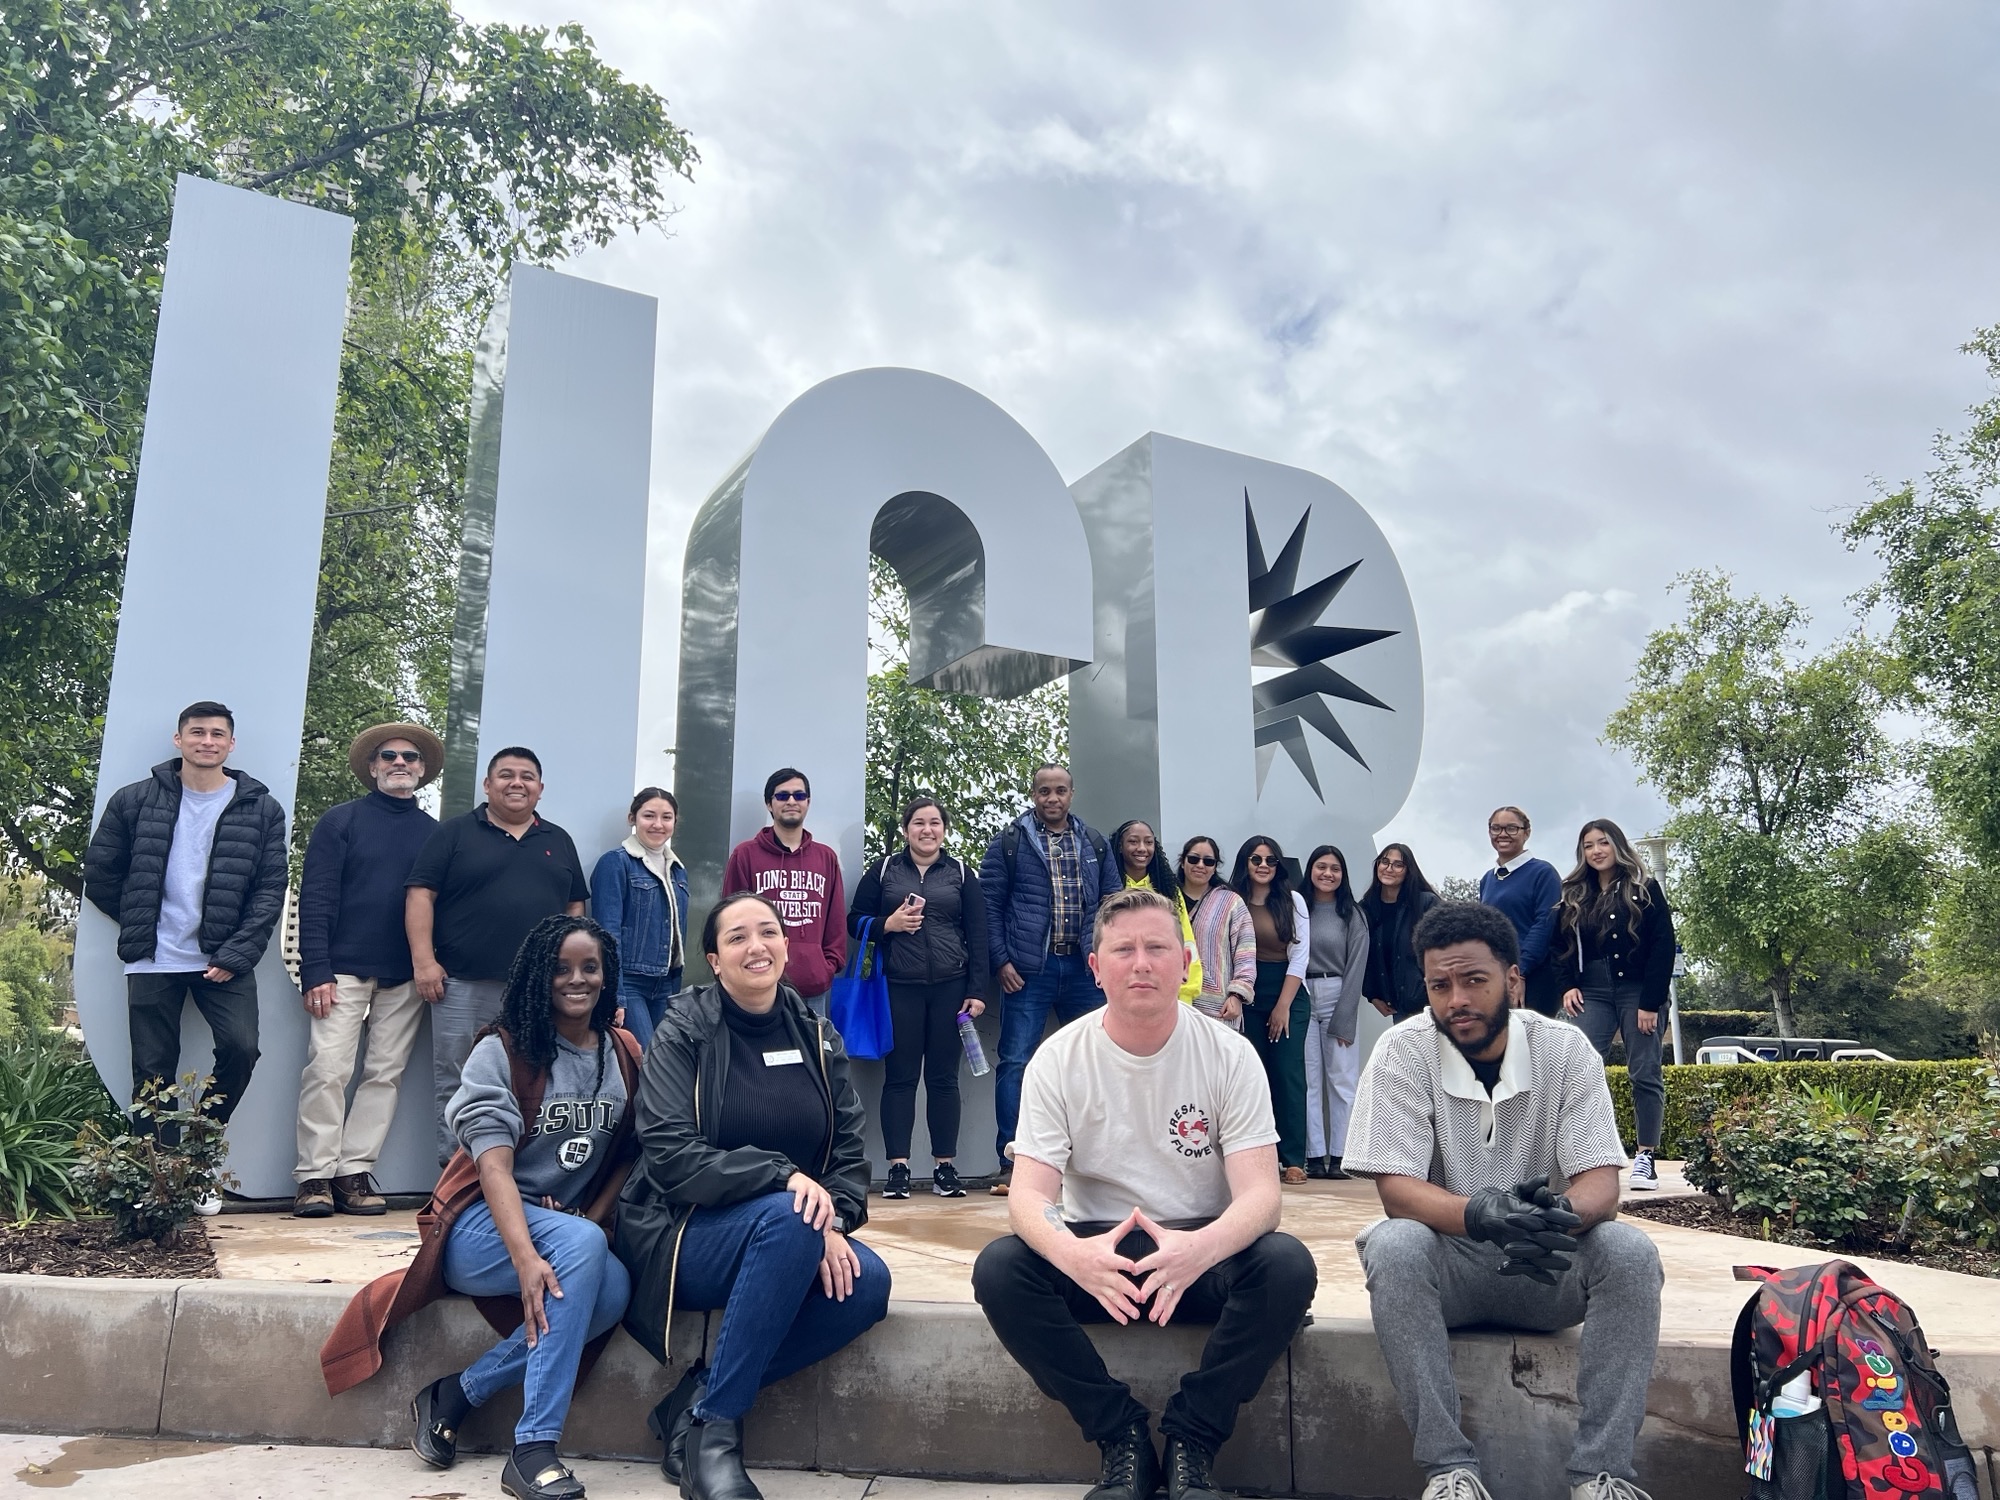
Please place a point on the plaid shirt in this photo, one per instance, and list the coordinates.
(1064, 852)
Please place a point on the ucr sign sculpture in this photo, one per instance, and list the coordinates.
(1240, 645)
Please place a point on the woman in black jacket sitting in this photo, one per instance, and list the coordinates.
(930, 923)
(1614, 949)
(750, 1180)
(1396, 898)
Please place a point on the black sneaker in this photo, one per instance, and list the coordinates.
(898, 1185)
(944, 1181)
(1644, 1178)
(1131, 1470)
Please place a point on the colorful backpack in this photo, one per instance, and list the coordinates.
(1881, 1427)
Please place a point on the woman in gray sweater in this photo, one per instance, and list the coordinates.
(1336, 960)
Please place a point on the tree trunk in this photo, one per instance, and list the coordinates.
(1780, 987)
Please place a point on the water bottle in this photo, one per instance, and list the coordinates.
(975, 1054)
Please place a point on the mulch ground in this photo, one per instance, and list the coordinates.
(1705, 1212)
(88, 1247)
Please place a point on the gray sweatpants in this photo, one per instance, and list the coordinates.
(1422, 1284)
(468, 1006)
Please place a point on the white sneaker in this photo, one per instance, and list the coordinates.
(1456, 1484)
(1644, 1179)
(208, 1205)
(1604, 1487)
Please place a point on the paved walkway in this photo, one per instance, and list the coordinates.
(929, 1245)
(96, 1468)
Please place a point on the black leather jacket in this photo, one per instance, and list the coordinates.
(681, 1168)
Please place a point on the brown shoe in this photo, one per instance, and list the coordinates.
(1290, 1177)
(356, 1195)
(314, 1199)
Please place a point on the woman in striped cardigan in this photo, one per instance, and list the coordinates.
(1223, 933)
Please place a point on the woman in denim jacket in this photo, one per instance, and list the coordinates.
(639, 893)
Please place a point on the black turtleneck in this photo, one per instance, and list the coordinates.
(773, 1100)
(351, 894)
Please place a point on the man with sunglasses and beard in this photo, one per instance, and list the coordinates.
(355, 967)
(1489, 1134)
(801, 877)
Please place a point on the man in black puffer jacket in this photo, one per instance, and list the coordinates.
(190, 863)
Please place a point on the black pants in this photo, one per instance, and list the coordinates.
(155, 1002)
(1257, 1300)
(1544, 990)
(924, 1021)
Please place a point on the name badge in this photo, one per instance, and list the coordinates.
(780, 1059)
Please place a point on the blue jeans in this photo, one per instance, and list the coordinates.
(759, 1262)
(1065, 986)
(595, 1289)
(645, 998)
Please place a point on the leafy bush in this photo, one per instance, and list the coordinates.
(150, 1179)
(49, 1093)
(1899, 1085)
(1828, 1164)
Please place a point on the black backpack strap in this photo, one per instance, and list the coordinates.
(1010, 844)
(1743, 1370)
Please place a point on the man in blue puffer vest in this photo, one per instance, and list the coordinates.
(1041, 879)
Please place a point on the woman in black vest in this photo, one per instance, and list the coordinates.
(931, 925)
(1397, 897)
(750, 1182)
(1614, 952)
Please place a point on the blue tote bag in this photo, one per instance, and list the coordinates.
(859, 1004)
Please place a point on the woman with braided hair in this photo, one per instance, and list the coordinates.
(542, 1115)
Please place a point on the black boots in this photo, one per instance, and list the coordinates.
(1187, 1467)
(670, 1420)
(1131, 1470)
(712, 1462)
(1325, 1169)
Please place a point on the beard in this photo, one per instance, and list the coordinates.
(1494, 1026)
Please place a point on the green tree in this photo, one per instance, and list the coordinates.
(1939, 544)
(1794, 854)
(976, 755)
(34, 977)
(456, 148)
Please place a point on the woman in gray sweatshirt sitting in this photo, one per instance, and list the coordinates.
(542, 1109)
(1336, 960)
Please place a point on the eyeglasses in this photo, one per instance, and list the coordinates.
(1201, 860)
(791, 796)
(1262, 859)
(414, 757)
(1390, 864)
(1506, 827)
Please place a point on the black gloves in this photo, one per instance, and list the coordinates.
(1530, 1222)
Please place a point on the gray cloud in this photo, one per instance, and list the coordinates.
(1572, 299)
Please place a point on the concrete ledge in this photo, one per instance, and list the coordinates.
(928, 1393)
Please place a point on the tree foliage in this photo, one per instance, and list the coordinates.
(1795, 853)
(456, 148)
(976, 755)
(1939, 544)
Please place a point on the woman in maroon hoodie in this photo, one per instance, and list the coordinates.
(802, 879)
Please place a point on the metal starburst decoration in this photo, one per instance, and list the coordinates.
(1289, 651)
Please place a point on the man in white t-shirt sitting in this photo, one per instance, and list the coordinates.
(1145, 1187)
(1491, 1139)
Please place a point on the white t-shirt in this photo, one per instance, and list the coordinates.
(177, 938)
(1144, 1132)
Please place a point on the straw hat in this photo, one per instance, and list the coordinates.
(372, 739)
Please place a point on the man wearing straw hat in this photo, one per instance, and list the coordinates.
(355, 967)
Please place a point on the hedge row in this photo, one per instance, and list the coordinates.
(1900, 1085)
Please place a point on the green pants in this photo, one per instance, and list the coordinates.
(1284, 1059)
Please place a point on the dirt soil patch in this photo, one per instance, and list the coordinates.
(1704, 1211)
(89, 1247)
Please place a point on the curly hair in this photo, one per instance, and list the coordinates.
(1586, 900)
(1159, 874)
(526, 1012)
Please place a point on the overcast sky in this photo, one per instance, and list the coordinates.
(1570, 298)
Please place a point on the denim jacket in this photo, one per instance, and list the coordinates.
(628, 901)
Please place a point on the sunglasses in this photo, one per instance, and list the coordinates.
(1202, 860)
(791, 796)
(1262, 859)
(414, 757)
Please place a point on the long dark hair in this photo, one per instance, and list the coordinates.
(1585, 900)
(1343, 894)
(1413, 878)
(526, 1013)
(1279, 901)
(1159, 874)
(1216, 878)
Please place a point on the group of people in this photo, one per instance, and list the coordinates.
(616, 1148)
